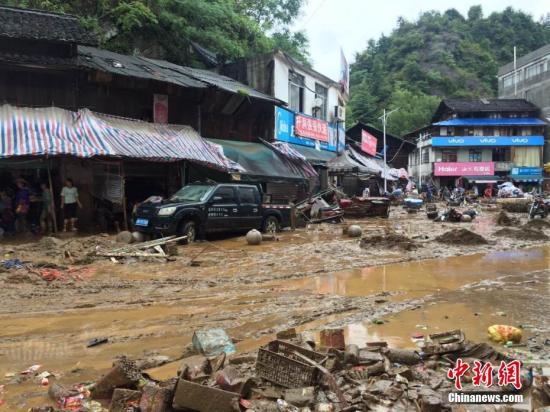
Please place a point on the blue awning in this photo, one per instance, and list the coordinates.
(526, 178)
(509, 121)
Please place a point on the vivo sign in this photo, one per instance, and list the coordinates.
(464, 169)
(446, 141)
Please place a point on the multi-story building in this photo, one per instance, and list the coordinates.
(313, 119)
(484, 141)
(530, 80)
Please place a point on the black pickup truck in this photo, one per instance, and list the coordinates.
(198, 209)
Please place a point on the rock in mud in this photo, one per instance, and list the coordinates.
(354, 231)
(525, 233)
(461, 237)
(124, 374)
(388, 241)
(504, 219)
(125, 237)
(253, 237)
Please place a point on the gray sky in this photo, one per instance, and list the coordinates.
(331, 24)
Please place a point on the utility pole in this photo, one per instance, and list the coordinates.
(384, 118)
(515, 74)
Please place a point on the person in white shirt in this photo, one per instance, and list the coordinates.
(366, 192)
(69, 204)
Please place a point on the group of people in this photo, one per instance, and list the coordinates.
(30, 209)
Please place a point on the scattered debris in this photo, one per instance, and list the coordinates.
(96, 341)
(151, 249)
(504, 334)
(461, 237)
(213, 342)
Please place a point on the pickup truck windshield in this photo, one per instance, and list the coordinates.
(194, 193)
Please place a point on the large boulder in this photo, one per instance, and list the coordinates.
(253, 237)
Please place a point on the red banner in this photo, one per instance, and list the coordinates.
(310, 127)
(464, 169)
(368, 143)
(160, 108)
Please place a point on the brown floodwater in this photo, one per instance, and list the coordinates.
(58, 340)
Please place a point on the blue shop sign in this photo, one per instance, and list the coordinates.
(530, 171)
(284, 132)
(450, 141)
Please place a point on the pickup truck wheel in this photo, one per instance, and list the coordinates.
(271, 225)
(189, 229)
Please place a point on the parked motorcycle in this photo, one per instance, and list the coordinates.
(539, 207)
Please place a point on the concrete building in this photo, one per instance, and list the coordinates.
(314, 120)
(484, 141)
(530, 80)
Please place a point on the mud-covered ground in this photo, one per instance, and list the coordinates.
(308, 278)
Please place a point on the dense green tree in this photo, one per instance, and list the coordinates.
(165, 28)
(440, 55)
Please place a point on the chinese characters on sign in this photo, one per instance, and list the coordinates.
(464, 169)
(310, 127)
(482, 374)
(368, 143)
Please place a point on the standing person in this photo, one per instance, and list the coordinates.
(366, 191)
(69, 203)
(46, 216)
(22, 205)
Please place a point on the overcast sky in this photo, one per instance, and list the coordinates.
(331, 24)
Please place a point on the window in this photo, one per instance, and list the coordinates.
(296, 91)
(417, 157)
(468, 131)
(474, 155)
(227, 195)
(488, 131)
(535, 69)
(501, 154)
(321, 92)
(448, 155)
(426, 155)
(247, 195)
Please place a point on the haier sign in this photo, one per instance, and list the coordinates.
(450, 141)
(284, 132)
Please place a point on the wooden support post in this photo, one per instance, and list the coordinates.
(54, 217)
(123, 190)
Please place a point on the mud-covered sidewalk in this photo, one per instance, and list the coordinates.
(306, 279)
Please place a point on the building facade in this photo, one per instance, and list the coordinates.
(314, 116)
(484, 141)
(530, 80)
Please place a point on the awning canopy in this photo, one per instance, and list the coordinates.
(374, 164)
(344, 163)
(508, 121)
(314, 156)
(526, 178)
(258, 161)
(54, 131)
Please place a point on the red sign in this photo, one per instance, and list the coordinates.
(310, 127)
(464, 169)
(160, 108)
(368, 143)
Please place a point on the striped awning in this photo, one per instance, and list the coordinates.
(54, 131)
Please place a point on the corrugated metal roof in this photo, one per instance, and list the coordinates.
(216, 80)
(485, 105)
(133, 66)
(16, 23)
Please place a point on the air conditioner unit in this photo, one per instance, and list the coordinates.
(338, 114)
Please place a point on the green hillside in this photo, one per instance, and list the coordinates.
(439, 55)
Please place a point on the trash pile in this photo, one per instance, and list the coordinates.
(461, 237)
(453, 215)
(290, 374)
(22, 271)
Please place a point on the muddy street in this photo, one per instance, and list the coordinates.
(309, 279)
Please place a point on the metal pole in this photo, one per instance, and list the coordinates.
(515, 74)
(54, 217)
(385, 171)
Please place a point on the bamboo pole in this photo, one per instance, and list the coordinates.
(54, 217)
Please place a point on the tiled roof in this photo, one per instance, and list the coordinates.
(42, 25)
